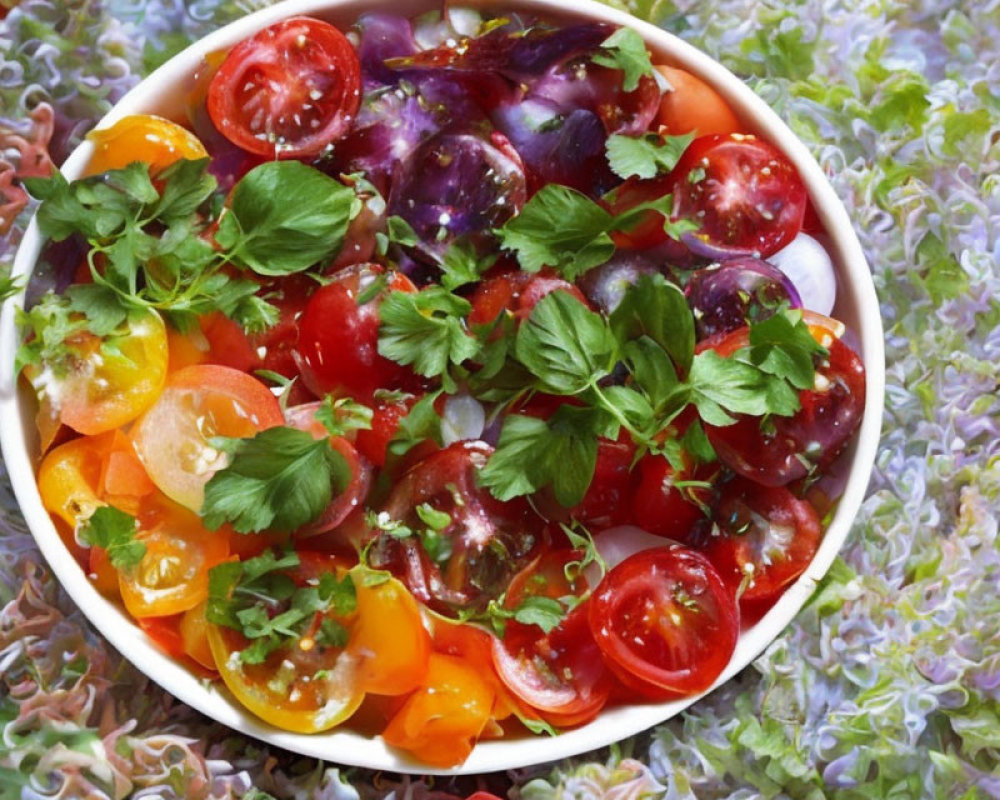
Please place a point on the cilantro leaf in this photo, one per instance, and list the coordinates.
(426, 330)
(565, 345)
(562, 228)
(281, 479)
(286, 217)
(625, 50)
(645, 156)
(115, 531)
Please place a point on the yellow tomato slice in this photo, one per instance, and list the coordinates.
(172, 576)
(389, 639)
(197, 403)
(142, 137)
(108, 382)
(295, 689)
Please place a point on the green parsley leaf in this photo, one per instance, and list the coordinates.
(426, 330)
(625, 50)
(344, 415)
(286, 217)
(656, 308)
(565, 345)
(397, 231)
(560, 451)
(115, 531)
(652, 371)
(420, 424)
(782, 345)
(562, 228)
(281, 479)
(186, 186)
(462, 264)
(545, 612)
(432, 518)
(9, 287)
(645, 156)
(722, 386)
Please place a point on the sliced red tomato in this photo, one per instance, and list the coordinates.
(142, 137)
(561, 674)
(199, 402)
(665, 506)
(609, 498)
(766, 538)
(289, 91)
(665, 621)
(743, 193)
(479, 546)
(373, 443)
(789, 448)
(442, 720)
(343, 359)
(516, 292)
(692, 106)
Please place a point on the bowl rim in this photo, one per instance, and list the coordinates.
(615, 724)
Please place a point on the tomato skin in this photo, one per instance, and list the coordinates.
(693, 106)
(561, 674)
(746, 196)
(609, 498)
(516, 292)
(142, 137)
(288, 91)
(665, 617)
(794, 447)
(765, 534)
(373, 443)
(662, 508)
(172, 576)
(106, 388)
(342, 358)
(440, 723)
(197, 403)
(489, 540)
(389, 640)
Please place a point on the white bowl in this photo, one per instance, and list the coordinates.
(163, 93)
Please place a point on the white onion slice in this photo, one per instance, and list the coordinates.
(617, 544)
(464, 21)
(809, 267)
(463, 418)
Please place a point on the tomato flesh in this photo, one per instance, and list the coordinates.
(289, 91)
(665, 617)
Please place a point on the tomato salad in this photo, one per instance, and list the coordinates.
(437, 376)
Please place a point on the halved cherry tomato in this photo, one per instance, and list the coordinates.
(482, 545)
(199, 402)
(744, 195)
(193, 629)
(69, 478)
(172, 576)
(289, 91)
(664, 506)
(475, 646)
(142, 137)
(373, 443)
(108, 382)
(692, 106)
(517, 292)
(441, 721)
(766, 538)
(102, 573)
(343, 358)
(664, 619)
(560, 674)
(789, 448)
(305, 686)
